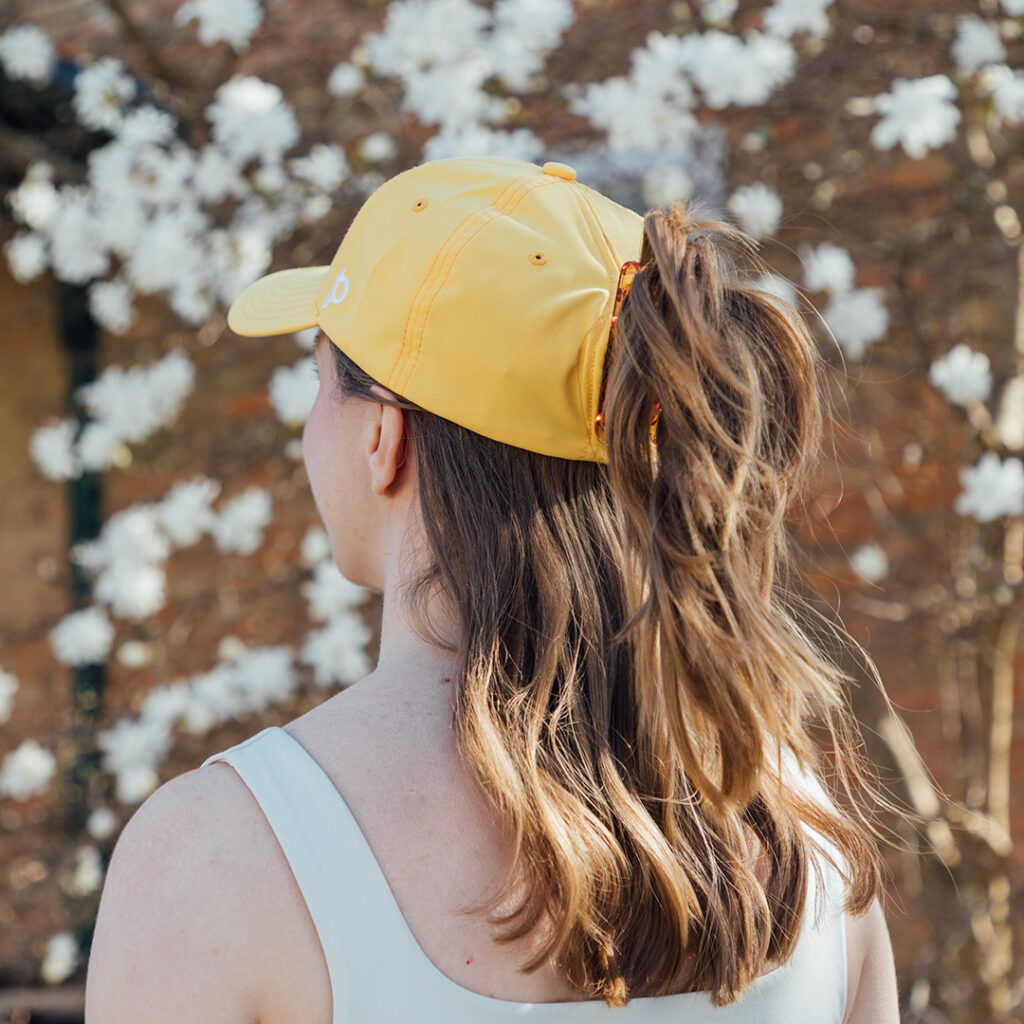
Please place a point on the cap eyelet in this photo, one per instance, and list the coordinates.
(420, 204)
(538, 258)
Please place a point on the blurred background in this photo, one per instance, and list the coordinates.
(167, 587)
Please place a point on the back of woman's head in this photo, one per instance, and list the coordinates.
(633, 667)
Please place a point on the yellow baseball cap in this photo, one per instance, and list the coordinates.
(480, 288)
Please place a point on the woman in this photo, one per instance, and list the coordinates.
(561, 439)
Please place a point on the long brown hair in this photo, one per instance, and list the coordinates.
(632, 660)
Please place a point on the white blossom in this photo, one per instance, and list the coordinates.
(787, 17)
(316, 546)
(166, 705)
(99, 446)
(828, 267)
(757, 208)
(718, 12)
(870, 562)
(216, 174)
(330, 594)
(78, 251)
(920, 114)
(101, 823)
(61, 958)
(250, 119)
(857, 318)
(147, 125)
(730, 70)
(1013, 7)
(27, 52)
(101, 91)
(134, 784)
(26, 771)
(139, 401)
(110, 303)
(239, 524)
(665, 183)
(185, 512)
(991, 488)
(36, 201)
(1006, 88)
(135, 654)
(87, 874)
(8, 686)
(234, 21)
(266, 676)
(82, 637)
(132, 743)
(26, 256)
(345, 79)
(377, 146)
(306, 339)
(134, 536)
(962, 375)
(324, 166)
(977, 42)
(132, 591)
(52, 450)
(213, 697)
(293, 391)
(337, 651)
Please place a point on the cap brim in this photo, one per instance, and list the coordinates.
(278, 303)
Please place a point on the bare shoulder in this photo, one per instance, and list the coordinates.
(173, 906)
(872, 994)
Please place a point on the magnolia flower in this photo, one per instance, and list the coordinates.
(337, 652)
(828, 267)
(857, 318)
(920, 114)
(82, 637)
(27, 770)
(251, 120)
(330, 594)
(52, 450)
(61, 958)
(110, 303)
(316, 546)
(185, 512)
(239, 525)
(977, 42)
(663, 184)
(293, 391)
(757, 208)
(87, 874)
(101, 91)
(345, 79)
(991, 488)
(26, 52)
(870, 562)
(234, 21)
(962, 375)
(26, 256)
(265, 676)
(101, 823)
(787, 17)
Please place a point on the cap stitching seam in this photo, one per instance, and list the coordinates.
(398, 374)
(505, 203)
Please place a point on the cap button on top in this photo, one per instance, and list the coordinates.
(557, 170)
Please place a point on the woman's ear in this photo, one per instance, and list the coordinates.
(389, 443)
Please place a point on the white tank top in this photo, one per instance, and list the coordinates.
(367, 943)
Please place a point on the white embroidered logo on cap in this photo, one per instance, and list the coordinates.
(332, 298)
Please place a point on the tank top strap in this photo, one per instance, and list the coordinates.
(359, 924)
